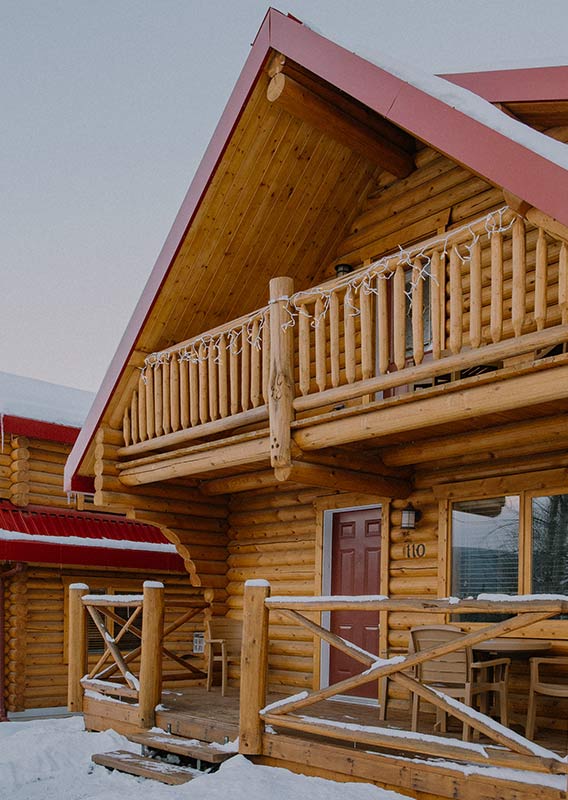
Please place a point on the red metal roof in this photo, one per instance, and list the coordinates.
(60, 536)
(491, 154)
(533, 84)
(38, 429)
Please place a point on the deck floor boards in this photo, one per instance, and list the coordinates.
(191, 710)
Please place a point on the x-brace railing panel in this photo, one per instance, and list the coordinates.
(525, 612)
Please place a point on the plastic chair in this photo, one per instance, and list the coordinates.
(457, 675)
(223, 640)
(538, 686)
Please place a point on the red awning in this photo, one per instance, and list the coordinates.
(60, 536)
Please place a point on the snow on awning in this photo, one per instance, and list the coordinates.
(61, 536)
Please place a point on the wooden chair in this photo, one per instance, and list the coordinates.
(456, 675)
(539, 686)
(223, 640)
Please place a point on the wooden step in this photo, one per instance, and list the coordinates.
(123, 761)
(191, 748)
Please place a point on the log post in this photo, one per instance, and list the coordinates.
(281, 397)
(254, 667)
(77, 620)
(151, 652)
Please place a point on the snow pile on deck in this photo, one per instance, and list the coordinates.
(44, 401)
(51, 760)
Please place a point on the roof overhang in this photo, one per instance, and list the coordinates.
(483, 150)
(65, 537)
(37, 429)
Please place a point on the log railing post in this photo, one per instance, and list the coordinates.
(151, 652)
(281, 382)
(254, 666)
(77, 644)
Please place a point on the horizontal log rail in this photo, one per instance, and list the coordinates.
(145, 621)
(507, 748)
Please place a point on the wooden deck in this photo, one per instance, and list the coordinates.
(195, 713)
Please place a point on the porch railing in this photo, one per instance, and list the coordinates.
(118, 680)
(213, 382)
(475, 297)
(507, 748)
(441, 310)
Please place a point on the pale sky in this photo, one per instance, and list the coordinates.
(106, 110)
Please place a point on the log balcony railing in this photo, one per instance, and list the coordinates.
(139, 693)
(490, 297)
(506, 748)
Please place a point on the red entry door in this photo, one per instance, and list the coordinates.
(355, 570)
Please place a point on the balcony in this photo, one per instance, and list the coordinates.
(461, 326)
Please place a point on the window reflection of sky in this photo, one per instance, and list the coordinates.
(494, 526)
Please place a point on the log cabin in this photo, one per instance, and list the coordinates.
(49, 542)
(343, 395)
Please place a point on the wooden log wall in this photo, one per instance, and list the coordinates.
(16, 615)
(196, 524)
(36, 661)
(272, 536)
(437, 196)
(31, 472)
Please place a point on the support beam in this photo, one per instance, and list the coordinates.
(254, 667)
(348, 480)
(549, 430)
(151, 652)
(281, 381)
(523, 391)
(305, 104)
(536, 217)
(240, 483)
(198, 463)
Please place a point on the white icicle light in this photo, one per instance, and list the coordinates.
(198, 351)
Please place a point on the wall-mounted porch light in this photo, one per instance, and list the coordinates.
(343, 269)
(410, 516)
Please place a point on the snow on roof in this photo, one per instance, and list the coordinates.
(40, 400)
(456, 97)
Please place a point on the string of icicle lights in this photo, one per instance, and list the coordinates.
(363, 281)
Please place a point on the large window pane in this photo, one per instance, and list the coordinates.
(485, 546)
(550, 544)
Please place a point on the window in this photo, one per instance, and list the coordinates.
(510, 544)
(485, 550)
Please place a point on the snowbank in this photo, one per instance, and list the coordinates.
(51, 760)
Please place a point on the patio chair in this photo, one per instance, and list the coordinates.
(545, 687)
(223, 640)
(457, 675)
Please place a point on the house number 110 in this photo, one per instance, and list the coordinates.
(415, 550)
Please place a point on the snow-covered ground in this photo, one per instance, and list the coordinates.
(50, 759)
